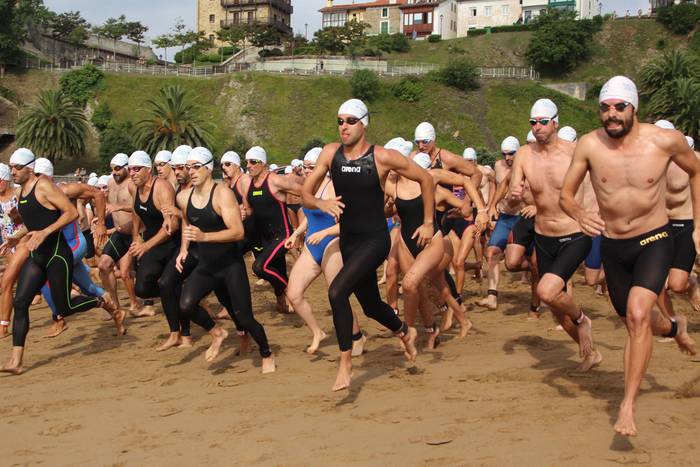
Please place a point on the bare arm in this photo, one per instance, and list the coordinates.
(332, 206)
(49, 193)
(163, 196)
(458, 164)
(517, 176)
(409, 169)
(289, 183)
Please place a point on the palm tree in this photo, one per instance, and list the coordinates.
(671, 87)
(173, 119)
(54, 127)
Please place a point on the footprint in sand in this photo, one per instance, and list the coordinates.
(61, 429)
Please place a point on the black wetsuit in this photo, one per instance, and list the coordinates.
(220, 266)
(272, 229)
(364, 245)
(52, 261)
(250, 240)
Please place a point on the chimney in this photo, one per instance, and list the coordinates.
(329, 3)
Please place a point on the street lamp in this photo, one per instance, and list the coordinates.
(306, 31)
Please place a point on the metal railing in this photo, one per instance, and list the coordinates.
(508, 73)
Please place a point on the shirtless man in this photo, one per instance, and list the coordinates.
(293, 200)
(163, 167)
(507, 212)
(116, 251)
(628, 161)
(488, 189)
(680, 214)
(560, 245)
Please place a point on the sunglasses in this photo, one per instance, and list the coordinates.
(619, 107)
(309, 166)
(228, 164)
(161, 164)
(179, 167)
(424, 141)
(196, 166)
(253, 162)
(541, 121)
(136, 168)
(20, 166)
(350, 120)
(117, 168)
(510, 153)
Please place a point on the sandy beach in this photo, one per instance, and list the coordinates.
(508, 394)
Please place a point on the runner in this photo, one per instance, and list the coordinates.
(163, 167)
(211, 219)
(15, 254)
(294, 200)
(560, 244)
(628, 161)
(358, 170)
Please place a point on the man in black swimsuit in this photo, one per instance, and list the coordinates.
(359, 170)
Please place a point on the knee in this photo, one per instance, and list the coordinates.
(492, 255)
(295, 295)
(637, 319)
(166, 283)
(258, 267)
(187, 305)
(336, 294)
(548, 291)
(678, 284)
(141, 289)
(105, 264)
(512, 262)
(21, 303)
(410, 284)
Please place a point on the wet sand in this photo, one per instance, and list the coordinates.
(508, 394)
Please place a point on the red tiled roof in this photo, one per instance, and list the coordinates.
(359, 6)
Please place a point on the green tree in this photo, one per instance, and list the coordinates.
(14, 17)
(670, 86)
(365, 85)
(172, 119)
(54, 127)
(80, 85)
(114, 29)
(263, 34)
(164, 41)
(114, 139)
(102, 116)
(135, 31)
(679, 19)
(64, 25)
(460, 74)
(232, 35)
(330, 40)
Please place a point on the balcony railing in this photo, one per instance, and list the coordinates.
(279, 4)
(279, 25)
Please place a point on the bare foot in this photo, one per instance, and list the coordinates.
(533, 315)
(447, 322)
(625, 421)
(268, 364)
(57, 328)
(694, 293)
(433, 340)
(358, 346)
(4, 331)
(590, 361)
(684, 341)
(223, 314)
(134, 309)
(13, 367)
(490, 302)
(665, 340)
(185, 342)
(316, 342)
(585, 337)
(215, 347)
(107, 304)
(173, 340)
(464, 328)
(342, 379)
(119, 317)
(146, 311)
(260, 282)
(409, 341)
(37, 300)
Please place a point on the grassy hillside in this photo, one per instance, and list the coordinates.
(621, 47)
(283, 113)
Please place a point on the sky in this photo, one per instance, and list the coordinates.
(159, 15)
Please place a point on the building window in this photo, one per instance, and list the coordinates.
(430, 17)
(405, 20)
(212, 18)
(472, 12)
(211, 38)
(506, 10)
(385, 12)
(487, 11)
(418, 18)
(384, 27)
(250, 17)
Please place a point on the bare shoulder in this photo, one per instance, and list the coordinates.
(588, 142)
(222, 193)
(567, 147)
(183, 196)
(670, 142)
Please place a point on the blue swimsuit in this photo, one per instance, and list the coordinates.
(318, 220)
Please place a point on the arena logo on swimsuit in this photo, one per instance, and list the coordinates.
(356, 170)
(653, 238)
(257, 193)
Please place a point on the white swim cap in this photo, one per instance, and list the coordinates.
(163, 156)
(43, 166)
(622, 88)
(231, 156)
(274, 167)
(23, 156)
(120, 160)
(567, 133)
(256, 153)
(5, 172)
(530, 137)
(423, 160)
(288, 169)
(92, 181)
(312, 155)
(179, 156)
(140, 159)
(510, 144)
(665, 124)
(469, 154)
(92, 174)
(689, 139)
(545, 108)
(424, 131)
(357, 109)
(401, 145)
(103, 180)
(297, 163)
(203, 156)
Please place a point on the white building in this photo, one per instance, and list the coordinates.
(531, 9)
(446, 19)
(479, 14)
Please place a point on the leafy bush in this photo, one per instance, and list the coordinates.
(80, 85)
(679, 19)
(409, 89)
(390, 42)
(593, 91)
(102, 116)
(560, 41)
(365, 85)
(115, 139)
(461, 74)
(270, 53)
(434, 38)
(229, 50)
(185, 56)
(661, 44)
(209, 58)
(371, 52)
(497, 29)
(694, 43)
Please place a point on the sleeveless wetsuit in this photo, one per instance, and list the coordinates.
(364, 245)
(52, 260)
(220, 265)
(272, 229)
